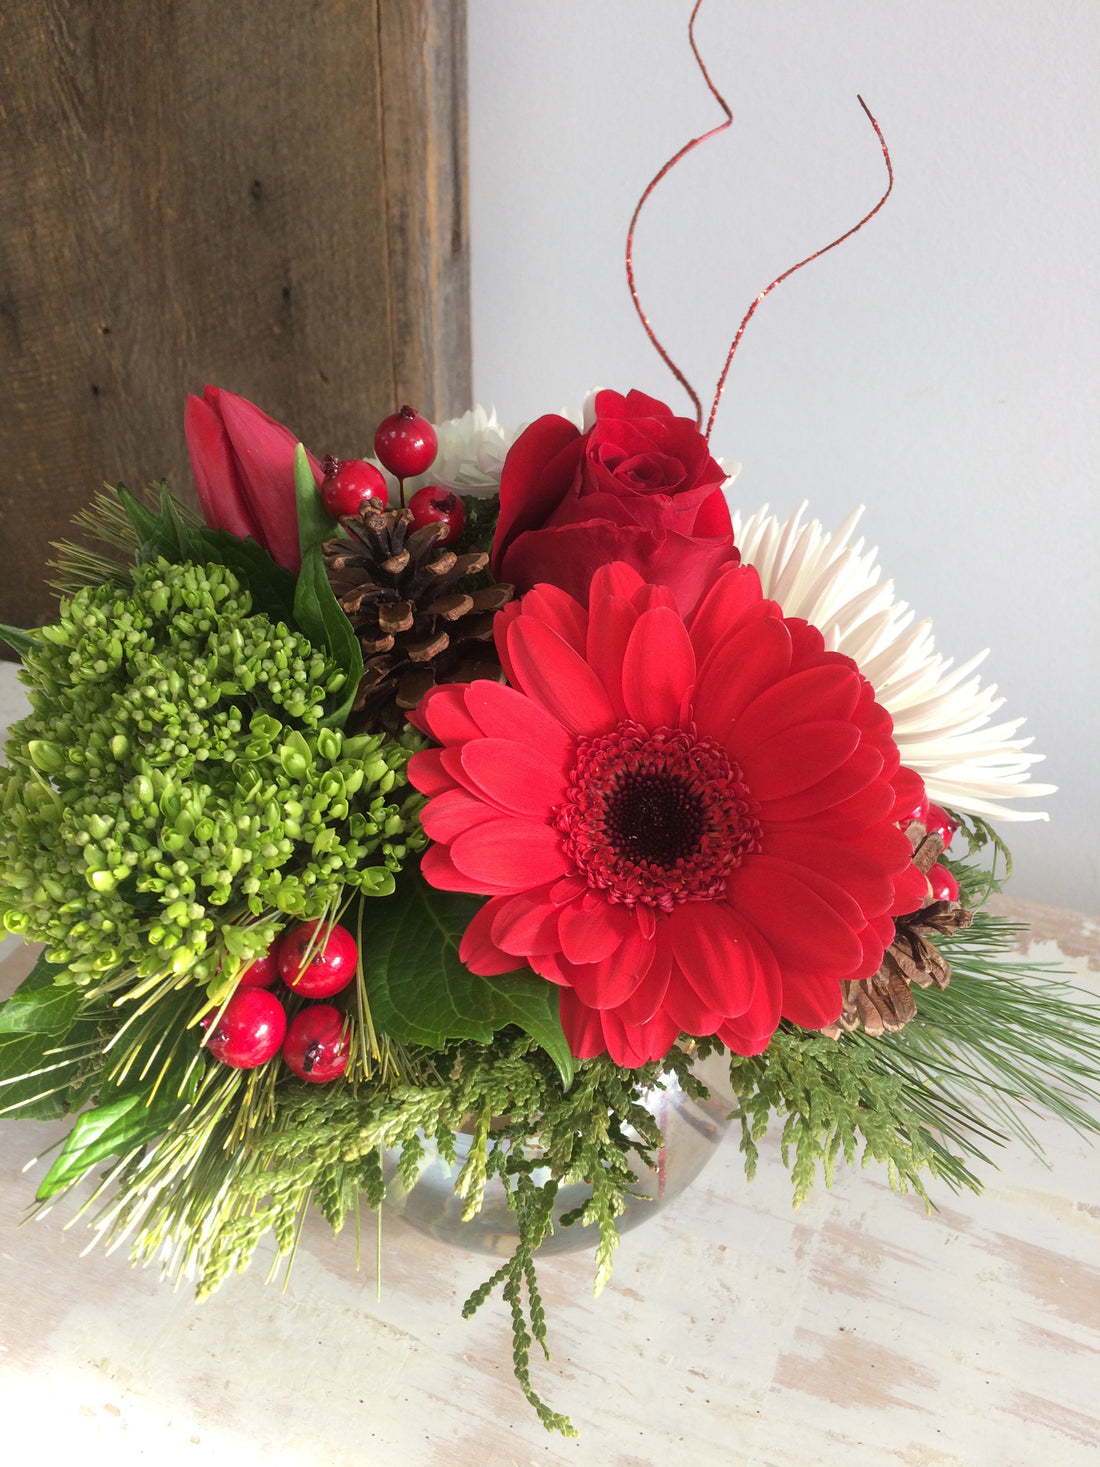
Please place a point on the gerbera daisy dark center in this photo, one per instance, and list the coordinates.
(656, 816)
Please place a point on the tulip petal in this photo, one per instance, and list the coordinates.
(221, 498)
(263, 451)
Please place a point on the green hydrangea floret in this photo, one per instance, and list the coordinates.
(174, 794)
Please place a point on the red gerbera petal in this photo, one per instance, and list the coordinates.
(798, 925)
(658, 669)
(517, 778)
(557, 678)
(685, 826)
(512, 854)
(525, 924)
(452, 812)
(715, 956)
(478, 950)
(732, 675)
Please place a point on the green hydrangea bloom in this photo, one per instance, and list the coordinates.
(172, 796)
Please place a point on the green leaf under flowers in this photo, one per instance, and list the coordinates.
(144, 522)
(40, 1005)
(112, 1129)
(421, 993)
(321, 618)
(22, 642)
(175, 529)
(314, 521)
(39, 1072)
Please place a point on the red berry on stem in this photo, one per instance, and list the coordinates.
(317, 1043)
(944, 886)
(406, 443)
(940, 822)
(347, 482)
(260, 974)
(250, 1030)
(331, 964)
(436, 505)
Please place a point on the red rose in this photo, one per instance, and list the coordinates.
(640, 486)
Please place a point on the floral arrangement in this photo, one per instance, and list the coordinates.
(481, 786)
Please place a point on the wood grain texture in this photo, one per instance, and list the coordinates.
(269, 197)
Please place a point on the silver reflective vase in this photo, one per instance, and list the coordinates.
(692, 1131)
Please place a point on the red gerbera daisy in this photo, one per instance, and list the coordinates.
(688, 826)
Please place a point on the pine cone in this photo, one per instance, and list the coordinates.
(884, 1003)
(416, 626)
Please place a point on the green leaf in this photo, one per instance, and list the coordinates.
(175, 529)
(421, 993)
(143, 521)
(40, 1005)
(37, 1072)
(22, 642)
(322, 619)
(314, 521)
(113, 1129)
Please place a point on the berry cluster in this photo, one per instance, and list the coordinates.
(252, 1027)
(405, 444)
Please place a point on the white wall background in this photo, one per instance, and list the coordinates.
(940, 367)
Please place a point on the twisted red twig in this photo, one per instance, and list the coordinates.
(654, 181)
(780, 278)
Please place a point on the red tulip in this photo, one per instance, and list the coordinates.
(243, 462)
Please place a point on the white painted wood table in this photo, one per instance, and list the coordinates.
(855, 1332)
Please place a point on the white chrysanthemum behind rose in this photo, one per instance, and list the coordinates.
(471, 454)
(941, 713)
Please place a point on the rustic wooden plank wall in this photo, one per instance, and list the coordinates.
(268, 195)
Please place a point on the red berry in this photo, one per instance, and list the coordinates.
(406, 443)
(347, 482)
(940, 822)
(944, 886)
(331, 965)
(317, 1043)
(260, 974)
(436, 505)
(915, 809)
(251, 1028)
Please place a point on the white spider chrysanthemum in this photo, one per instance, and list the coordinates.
(470, 455)
(941, 713)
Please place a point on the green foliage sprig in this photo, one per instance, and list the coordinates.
(1005, 1039)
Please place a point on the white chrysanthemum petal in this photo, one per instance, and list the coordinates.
(470, 455)
(941, 712)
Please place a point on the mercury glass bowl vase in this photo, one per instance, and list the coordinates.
(692, 1131)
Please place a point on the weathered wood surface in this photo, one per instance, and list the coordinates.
(267, 196)
(856, 1332)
